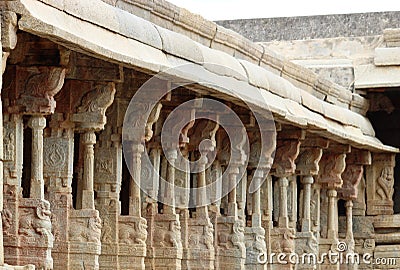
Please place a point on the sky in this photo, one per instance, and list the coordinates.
(246, 9)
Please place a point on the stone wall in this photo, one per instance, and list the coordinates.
(312, 27)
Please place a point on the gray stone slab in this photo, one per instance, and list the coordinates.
(114, 19)
(180, 45)
(387, 56)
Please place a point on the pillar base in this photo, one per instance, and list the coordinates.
(255, 245)
(132, 242)
(31, 240)
(231, 250)
(84, 239)
(200, 253)
(167, 242)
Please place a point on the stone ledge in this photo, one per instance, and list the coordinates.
(387, 56)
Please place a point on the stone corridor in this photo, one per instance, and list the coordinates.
(72, 177)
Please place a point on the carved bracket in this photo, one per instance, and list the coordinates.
(332, 165)
(307, 161)
(31, 90)
(92, 105)
(285, 156)
(353, 173)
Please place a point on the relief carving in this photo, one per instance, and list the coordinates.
(106, 232)
(85, 230)
(201, 235)
(7, 219)
(136, 234)
(332, 166)
(351, 178)
(97, 100)
(286, 154)
(40, 223)
(169, 236)
(228, 240)
(308, 161)
(9, 144)
(35, 88)
(91, 108)
(353, 173)
(385, 184)
(54, 155)
(380, 184)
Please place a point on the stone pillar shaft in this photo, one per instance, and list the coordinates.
(349, 220)
(37, 123)
(232, 205)
(332, 213)
(256, 215)
(201, 183)
(169, 208)
(134, 190)
(306, 222)
(88, 140)
(1, 184)
(283, 221)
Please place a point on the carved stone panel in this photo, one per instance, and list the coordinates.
(379, 182)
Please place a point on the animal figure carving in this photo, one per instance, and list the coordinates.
(90, 231)
(170, 237)
(36, 222)
(136, 234)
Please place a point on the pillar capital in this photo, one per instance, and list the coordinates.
(37, 122)
(89, 138)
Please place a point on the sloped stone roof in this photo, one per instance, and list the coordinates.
(294, 94)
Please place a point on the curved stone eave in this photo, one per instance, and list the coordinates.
(48, 22)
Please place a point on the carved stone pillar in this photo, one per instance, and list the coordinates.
(379, 182)
(352, 175)
(12, 174)
(58, 172)
(288, 148)
(332, 165)
(308, 167)
(200, 246)
(167, 238)
(151, 207)
(88, 116)
(30, 91)
(231, 249)
(132, 228)
(107, 183)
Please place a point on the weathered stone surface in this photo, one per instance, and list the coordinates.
(314, 27)
(116, 20)
(369, 76)
(387, 56)
(187, 49)
(100, 219)
(222, 64)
